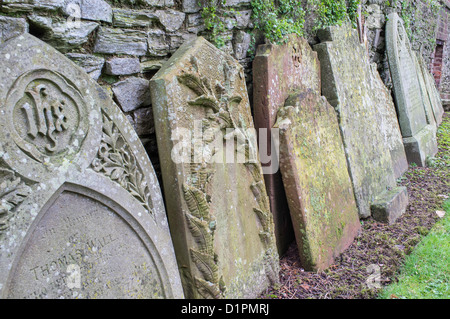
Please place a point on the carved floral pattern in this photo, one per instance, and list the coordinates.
(116, 160)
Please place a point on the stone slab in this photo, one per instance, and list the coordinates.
(315, 175)
(132, 93)
(218, 207)
(407, 90)
(390, 205)
(431, 90)
(348, 85)
(81, 211)
(121, 41)
(388, 122)
(123, 66)
(279, 70)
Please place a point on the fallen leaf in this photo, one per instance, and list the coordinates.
(393, 296)
(440, 213)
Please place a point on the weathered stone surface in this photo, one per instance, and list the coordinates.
(241, 44)
(316, 179)
(16, 6)
(218, 206)
(82, 215)
(60, 35)
(121, 41)
(390, 205)
(11, 27)
(158, 45)
(132, 93)
(277, 71)
(407, 92)
(95, 10)
(92, 64)
(143, 118)
(157, 3)
(123, 66)
(348, 85)
(388, 122)
(151, 65)
(190, 6)
(172, 20)
(431, 90)
(133, 18)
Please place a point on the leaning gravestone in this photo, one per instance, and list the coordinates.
(277, 71)
(218, 204)
(430, 90)
(348, 85)
(316, 179)
(82, 214)
(418, 136)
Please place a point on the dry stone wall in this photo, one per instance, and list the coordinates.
(122, 44)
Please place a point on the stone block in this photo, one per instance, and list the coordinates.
(121, 41)
(277, 71)
(11, 27)
(123, 66)
(129, 18)
(60, 35)
(94, 10)
(316, 179)
(349, 85)
(92, 64)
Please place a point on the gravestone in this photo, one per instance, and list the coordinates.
(218, 207)
(431, 91)
(277, 71)
(418, 136)
(315, 175)
(81, 211)
(349, 86)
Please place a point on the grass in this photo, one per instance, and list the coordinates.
(426, 272)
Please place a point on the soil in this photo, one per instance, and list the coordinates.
(378, 247)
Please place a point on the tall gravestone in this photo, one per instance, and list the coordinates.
(348, 85)
(82, 213)
(418, 135)
(279, 70)
(216, 198)
(315, 175)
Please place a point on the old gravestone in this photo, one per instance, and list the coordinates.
(418, 136)
(313, 165)
(348, 85)
(277, 71)
(82, 214)
(430, 91)
(218, 204)
(316, 179)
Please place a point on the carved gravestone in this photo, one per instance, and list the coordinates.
(348, 85)
(316, 179)
(218, 205)
(82, 214)
(277, 71)
(418, 136)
